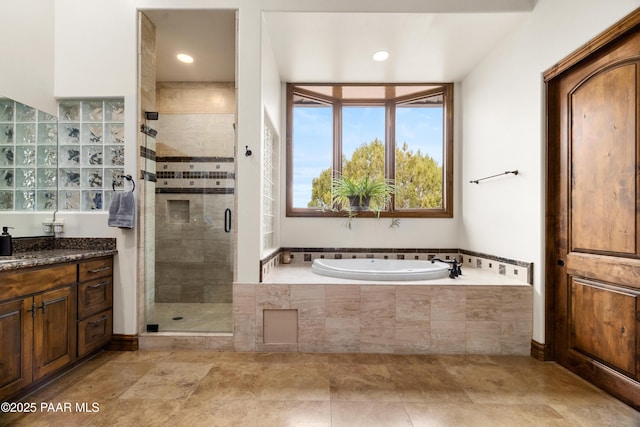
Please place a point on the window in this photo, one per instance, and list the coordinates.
(69, 164)
(90, 152)
(398, 132)
(269, 207)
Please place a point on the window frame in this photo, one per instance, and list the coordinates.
(390, 103)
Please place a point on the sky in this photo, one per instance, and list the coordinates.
(419, 127)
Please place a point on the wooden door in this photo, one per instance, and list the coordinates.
(53, 335)
(593, 237)
(16, 331)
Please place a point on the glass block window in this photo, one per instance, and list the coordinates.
(269, 187)
(71, 160)
(28, 158)
(90, 151)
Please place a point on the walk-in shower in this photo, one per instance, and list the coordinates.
(194, 203)
(189, 172)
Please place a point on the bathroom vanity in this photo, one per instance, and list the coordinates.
(55, 310)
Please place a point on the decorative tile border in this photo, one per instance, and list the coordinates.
(195, 159)
(147, 153)
(519, 270)
(507, 267)
(270, 262)
(191, 175)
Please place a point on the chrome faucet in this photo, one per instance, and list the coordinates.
(454, 270)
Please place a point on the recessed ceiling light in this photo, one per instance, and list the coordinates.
(183, 57)
(380, 55)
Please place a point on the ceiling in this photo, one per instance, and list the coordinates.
(207, 35)
(334, 47)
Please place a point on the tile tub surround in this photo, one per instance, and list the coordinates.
(519, 271)
(477, 313)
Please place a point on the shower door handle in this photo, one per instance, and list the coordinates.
(227, 220)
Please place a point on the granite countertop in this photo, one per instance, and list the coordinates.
(50, 256)
(32, 252)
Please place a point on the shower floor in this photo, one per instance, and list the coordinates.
(192, 317)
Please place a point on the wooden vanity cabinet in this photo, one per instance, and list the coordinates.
(53, 331)
(16, 353)
(50, 317)
(37, 324)
(95, 301)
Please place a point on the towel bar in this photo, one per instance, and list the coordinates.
(477, 181)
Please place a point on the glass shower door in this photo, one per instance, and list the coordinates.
(194, 227)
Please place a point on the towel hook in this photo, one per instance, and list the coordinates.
(128, 178)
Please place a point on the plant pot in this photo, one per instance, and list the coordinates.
(357, 204)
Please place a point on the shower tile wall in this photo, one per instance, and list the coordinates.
(195, 185)
(193, 251)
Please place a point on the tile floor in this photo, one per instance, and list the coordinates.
(193, 317)
(190, 388)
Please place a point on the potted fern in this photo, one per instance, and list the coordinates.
(365, 194)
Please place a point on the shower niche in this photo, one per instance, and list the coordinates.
(178, 211)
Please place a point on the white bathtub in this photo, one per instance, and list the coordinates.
(380, 269)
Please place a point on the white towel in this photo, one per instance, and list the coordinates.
(122, 210)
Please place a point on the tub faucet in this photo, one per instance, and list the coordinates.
(454, 270)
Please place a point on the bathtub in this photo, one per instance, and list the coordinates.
(380, 269)
(479, 312)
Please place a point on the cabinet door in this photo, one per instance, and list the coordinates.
(94, 332)
(90, 270)
(94, 297)
(54, 331)
(16, 326)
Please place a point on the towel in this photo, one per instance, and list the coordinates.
(122, 210)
